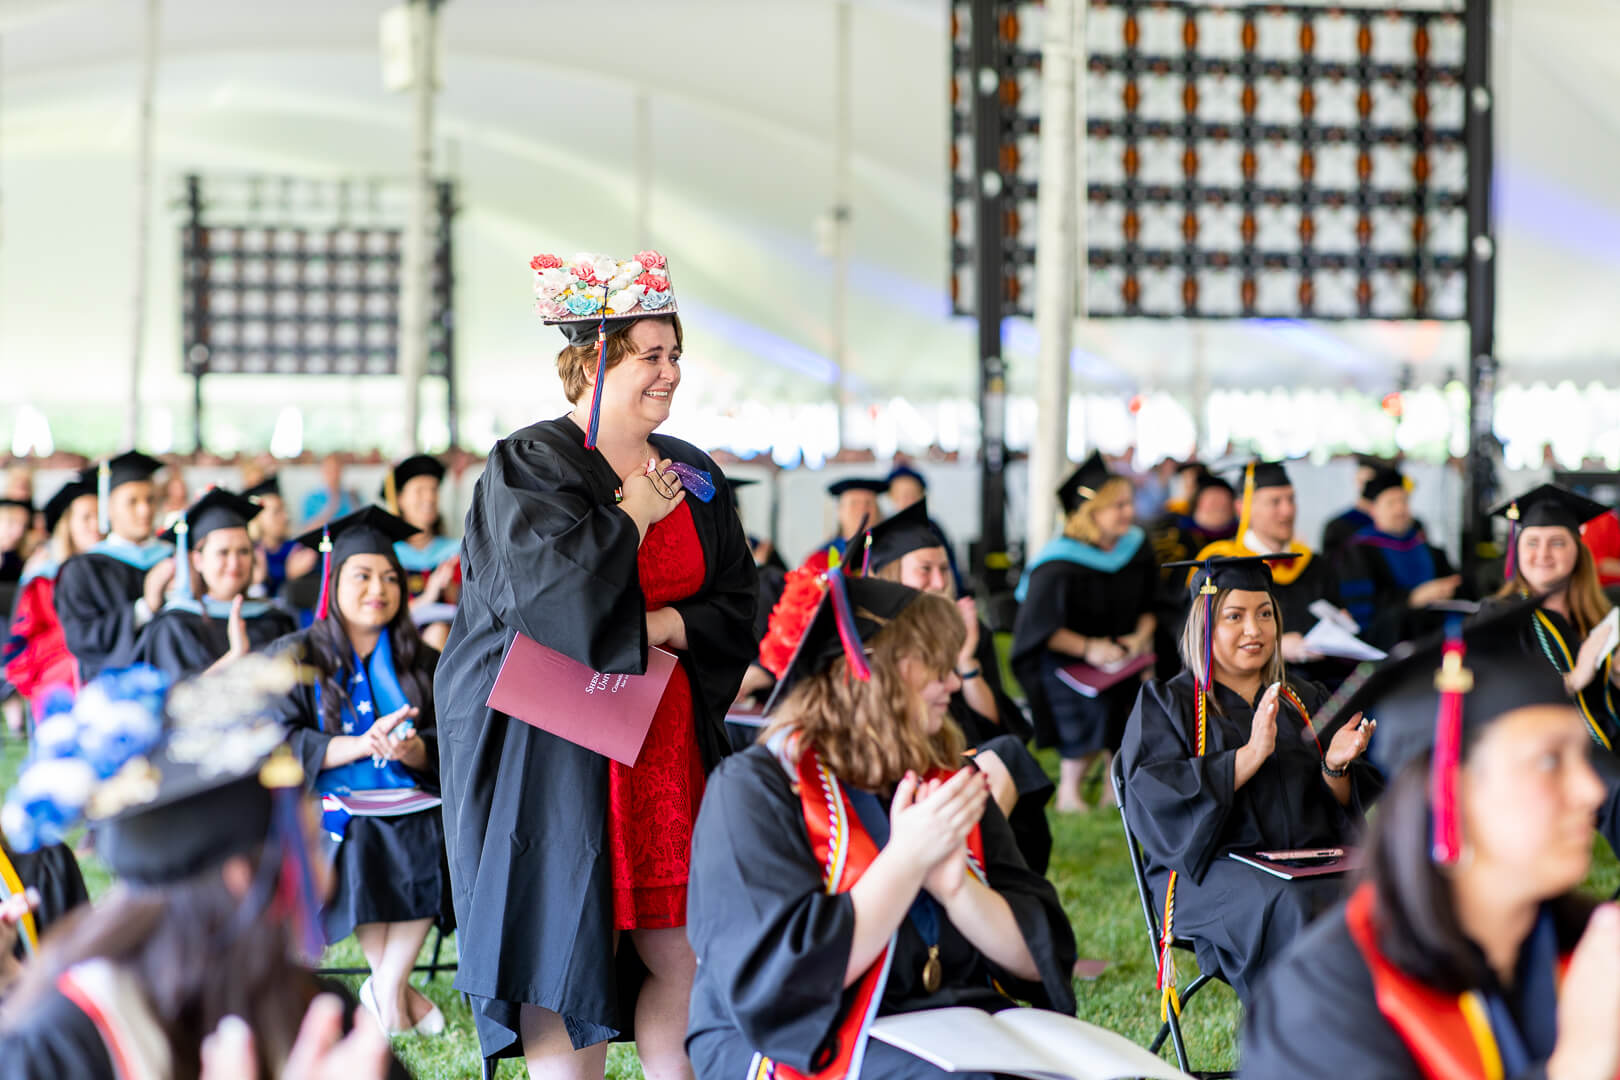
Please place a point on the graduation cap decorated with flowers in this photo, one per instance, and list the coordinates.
(216, 509)
(1437, 696)
(371, 531)
(1545, 504)
(175, 779)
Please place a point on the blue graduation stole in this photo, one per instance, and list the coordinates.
(218, 609)
(425, 560)
(374, 691)
(1068, 549)
(141, 556)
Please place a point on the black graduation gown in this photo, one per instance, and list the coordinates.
(95, 600)
(1337, 533)
(387, 869)
(1187, 817)
(1600, 700)
(180, 643)
(1067, 596)
(546, 552)
(1316, 1014)
(772, 945)
(1363, 565)
(54, 871)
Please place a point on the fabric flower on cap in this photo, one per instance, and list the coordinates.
(624, 300)
(651, 260)
(582, 303)
(544, 262)
(552, 282)
(653, 301)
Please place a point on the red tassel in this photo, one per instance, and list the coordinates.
(326, 575)
(848, 635)
(1454, 682)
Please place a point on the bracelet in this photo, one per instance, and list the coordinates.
(1336, 774)
(970, 674)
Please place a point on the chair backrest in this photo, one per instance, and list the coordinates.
(1144, 892)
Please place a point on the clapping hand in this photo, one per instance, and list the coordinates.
(930, 822)
(384, 747)
(1349, 743)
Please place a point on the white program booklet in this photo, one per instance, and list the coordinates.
(1611, 625)
(1328, 638)
(1035, 1043)
(1322, 609)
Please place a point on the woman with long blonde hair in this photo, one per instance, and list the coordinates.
(848, 866)
(1087, 596)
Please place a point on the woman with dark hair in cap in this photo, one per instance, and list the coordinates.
(411, 490)
(907, 550)
(361, 720)
(1547, 560)
(1224, 758)
(598, 538)
(847, 866)
(1466, 951)
(209, 620)
(38, 662)
(1088, 595)
(106, 596)
(203, 822)
(1390, 571)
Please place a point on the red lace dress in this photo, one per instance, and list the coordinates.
(652, 807)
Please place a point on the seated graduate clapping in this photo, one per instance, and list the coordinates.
(1224, 759)
(847, 867)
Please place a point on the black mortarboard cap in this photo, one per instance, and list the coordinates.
(1549, 504)
(414, 466)
(371, 531)
(857, 483)
(735, 484)
(130, 467)
(873, 603)
(1383, 478)
(905, 470)
(898, 536)
(1084, 483)
(270, 485)
(217, 509)
(57, 505)
(20, 504)
(1251, 573)
(1270, 474)
(1207, 480)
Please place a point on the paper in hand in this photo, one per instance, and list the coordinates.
(1329, 638)
(1323, 609)
(1611, 625)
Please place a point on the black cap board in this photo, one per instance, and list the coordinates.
(1402, 695)
(896, 537)
(217, 509)
(873, 601)
(1549, 504)
(1251, 573)
(371, 531)
(129, 467)
(1270, 474)
(1084, 483)
(20, 504)
(735, 484)
(270, 485)
(857, 483)
(905, 471)
(1207, 480)
(1383, 478)
(58, 504)
(419, 465)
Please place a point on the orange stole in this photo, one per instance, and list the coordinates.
(1448, 1035)
(844, 849)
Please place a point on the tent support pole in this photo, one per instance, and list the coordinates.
(1479, 480)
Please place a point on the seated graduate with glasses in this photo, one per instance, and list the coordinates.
(209, 620)
(1466, 950)
(1223, 759)
(908, 548)
(847, 867)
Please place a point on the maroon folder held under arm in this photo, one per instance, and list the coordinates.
(609, 714)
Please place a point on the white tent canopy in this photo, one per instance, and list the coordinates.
(536, 122)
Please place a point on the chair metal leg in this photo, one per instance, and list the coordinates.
(489, 1068)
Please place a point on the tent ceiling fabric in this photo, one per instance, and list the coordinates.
(538, 108)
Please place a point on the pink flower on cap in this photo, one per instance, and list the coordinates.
(653, 282)
(651, 260)
(550, 309)
(544, 262)
(586, 272)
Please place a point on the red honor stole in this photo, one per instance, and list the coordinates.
(844, 849)
(1448, 1035)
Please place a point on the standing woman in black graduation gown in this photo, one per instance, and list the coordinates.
(1088, 595)
(209, 620)
(1261, 777)
(907, 548)
(1448, 960)
(863, 774)
(106, 596)
(361, 719)
(1548, 560)
(569, 546)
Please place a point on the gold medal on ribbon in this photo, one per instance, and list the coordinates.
(933, 970)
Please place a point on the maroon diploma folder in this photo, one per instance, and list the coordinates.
(609, 714)
(1090, 681)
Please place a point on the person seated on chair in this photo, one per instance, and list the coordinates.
(1224, 758)
(906, 548)
(857, 509)
(361, 718)
(1389, 571)
(431, 559)
(929, 903)
(1467, 950)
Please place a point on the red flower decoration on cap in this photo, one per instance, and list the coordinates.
(790, 618)
(651, 260)
(653, 282)
(544, 262)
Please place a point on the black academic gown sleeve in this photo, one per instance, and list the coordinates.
(547, 552)
(772, 944)
(95, 601)
(53, 1041)
(54, 871)
(180, 643)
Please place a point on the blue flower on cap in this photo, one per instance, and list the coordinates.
(583, 303)
(655, 300)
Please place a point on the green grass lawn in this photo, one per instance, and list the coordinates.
(1092, 876)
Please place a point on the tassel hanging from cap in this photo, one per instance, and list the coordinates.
(593, 427)
(324, 604)
(1454, 681)
(182, 558)
(1511, 565)
(104, 497)
(390, 493)
(1247, 507)
(844, 616)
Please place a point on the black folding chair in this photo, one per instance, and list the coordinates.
(432, 968)
(1171, 1027)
